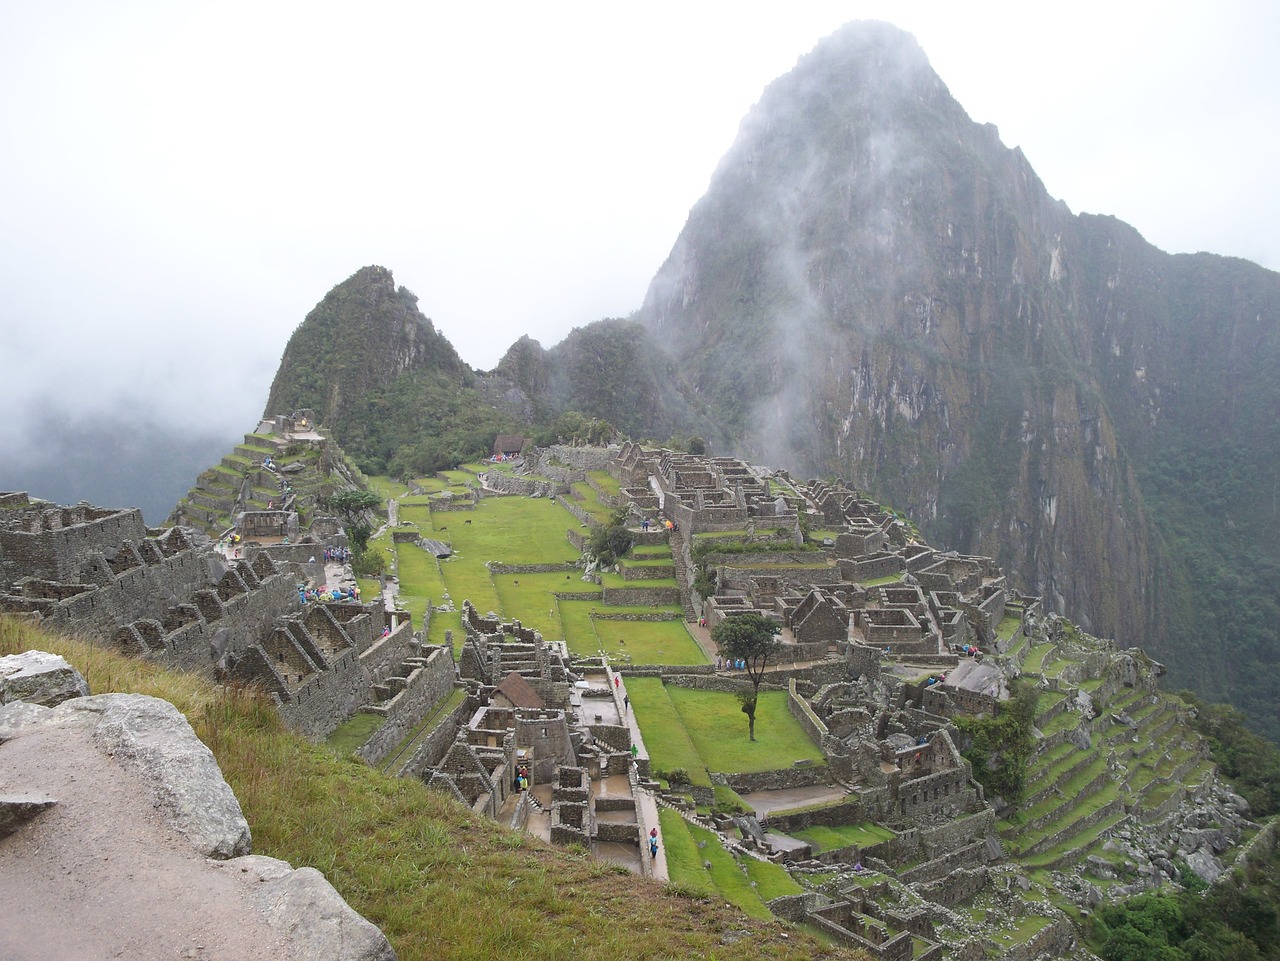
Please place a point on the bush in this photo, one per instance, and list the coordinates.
(368, 562)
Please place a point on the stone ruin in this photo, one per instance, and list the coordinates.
(165, 594)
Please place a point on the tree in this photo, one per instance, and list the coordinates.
(751, 638)
(352, 507)
(612, 541)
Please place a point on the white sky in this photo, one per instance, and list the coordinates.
(180, 182)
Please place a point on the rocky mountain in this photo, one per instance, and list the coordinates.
(875, 287)
(383, 380)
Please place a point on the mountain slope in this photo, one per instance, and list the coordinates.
(387, 384)
(875, 287)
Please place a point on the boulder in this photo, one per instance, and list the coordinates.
(39, 678)
(306, 911)
(1205, 865)
(151, 737)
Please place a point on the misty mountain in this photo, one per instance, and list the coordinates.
(875, 287)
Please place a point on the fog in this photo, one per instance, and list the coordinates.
(181, 183)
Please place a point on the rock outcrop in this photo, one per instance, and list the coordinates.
(119, 837)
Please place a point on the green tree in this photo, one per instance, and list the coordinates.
(751, 638)
(611, 541)
(352, 507)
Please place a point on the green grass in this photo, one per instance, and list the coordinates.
(606, 482)
(665, 737)
(843, 835)
(420, 581)
(354, 732)
(649, 642)
(718, 729)
(881, 581)
(441, 882)
(1035, 657)
(684, 861)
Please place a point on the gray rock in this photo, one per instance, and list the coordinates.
(1205, 865)
(1100, 867)
(1094, 897)
(40, 678)
(152, 737)
(1080, 738)
(20, 716)
(1166, 866)
(309, 914)
(17, 809)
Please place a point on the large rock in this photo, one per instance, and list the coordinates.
(123, 865)
(39, 678)
(154, 740)
(303, 907)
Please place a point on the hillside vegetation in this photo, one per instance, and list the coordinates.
(441, 882)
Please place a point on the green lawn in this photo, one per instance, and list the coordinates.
(843, 835)
(352, 733)
(746, 884)
(664, 733)
(649, 642)
(420, 581)
(718, 729)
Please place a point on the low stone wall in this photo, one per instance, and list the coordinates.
(648, 572)
(496, 567)
(640, 596)
(803, 713)
(582, 458)
(525, 486)
(849, 811)
(579, 512)
(655, 616)
(809, 775)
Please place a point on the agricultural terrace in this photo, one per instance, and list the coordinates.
(706, 731)
(558, 603)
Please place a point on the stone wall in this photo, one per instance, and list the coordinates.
(582, 458)
(784, 779)
(640, 596)
(428, 684)
(525, 486)
(436, 745)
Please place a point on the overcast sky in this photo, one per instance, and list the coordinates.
(180, 182)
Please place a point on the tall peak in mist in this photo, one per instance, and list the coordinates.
(875, 287)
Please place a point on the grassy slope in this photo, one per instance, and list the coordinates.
(441, 883)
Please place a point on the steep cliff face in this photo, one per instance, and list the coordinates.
(874, 286)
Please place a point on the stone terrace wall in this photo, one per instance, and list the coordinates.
(583, 458)
(639, 596)
(525, 486)
(426, 687)
(442, 737)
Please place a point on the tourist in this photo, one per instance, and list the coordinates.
(617, 681)
(626, 703)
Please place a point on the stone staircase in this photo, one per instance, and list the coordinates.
(683, 578)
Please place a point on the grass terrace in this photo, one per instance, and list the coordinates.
(718, 729)
(844, 835)
(746, 884)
